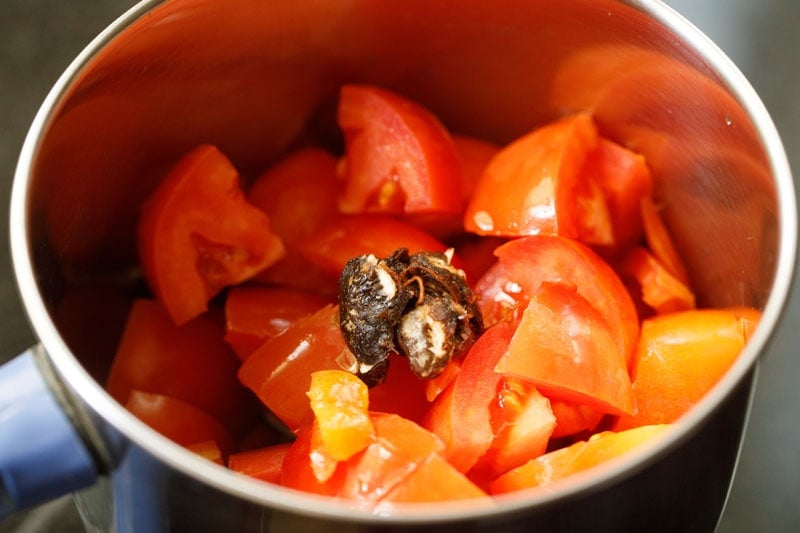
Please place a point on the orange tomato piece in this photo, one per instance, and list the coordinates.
(660, 290)
(659, 240)
(557, 465)
(339, 400)
(208, 449)
(198, 234)
(681, 357)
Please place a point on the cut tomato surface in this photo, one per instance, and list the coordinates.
(660, 290)
(538, 175)
(279, 372)
(182, 422)
(352, 235)
(265, 463)
(398, 157)
(527, 262)
(255, 314)
(659, 240)
(565, 347)
(681, 357)
(199, 234)
(583, 455)
(461, 414)
(191, 363)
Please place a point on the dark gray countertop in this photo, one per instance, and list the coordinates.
(38, 38)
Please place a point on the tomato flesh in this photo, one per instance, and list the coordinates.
(199, 234)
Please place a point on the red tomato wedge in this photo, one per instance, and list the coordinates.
(573, 418)
(681, 357)
(352, 235)
(279, 372)
(461, 415)
(565, 347)
(660, 290)
(255, 314)
(527, 262)
(403, 393)
(580, 456)
(177, 420)
(530, 186)
(474, 155)
(625, 179)
(522, 422)
(265, 463)
(191, 363)
(199, 234)
(400, 449)
(399, 157)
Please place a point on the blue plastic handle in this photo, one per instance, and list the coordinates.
(42, 455)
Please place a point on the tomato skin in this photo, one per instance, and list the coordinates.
(625, 179)
(522, 422)
(681, 357)
(559, 464)
(191, 363)
(198, 234)
(538, 176)
(352, 235)
(265, 463)
(565, 347)
(461, 415)
(254, 314)
(177, 420)
(399, 157)
(298, 193)
(527, 262)
(279, 372)
(403, 393)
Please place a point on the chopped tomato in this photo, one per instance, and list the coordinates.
(353, 235)
(659, 289)
(340, 400)
(527, 262)
(279, 372)
(399, 447)
(254, 314)
(461, 415)
(191, 363)
(564, 346)
(298, 193)
(436, 385)
(199, 234)
(522, 422)
(265, 463)
(177, 420)
(403, 393)
(474, 155)
(681, 357)
(208, 449)
(659, 240)
(625, 179)
(477, 255)
(559, 464)
(399, 157)
(572, 418)
(530, 186)
(435, 480)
